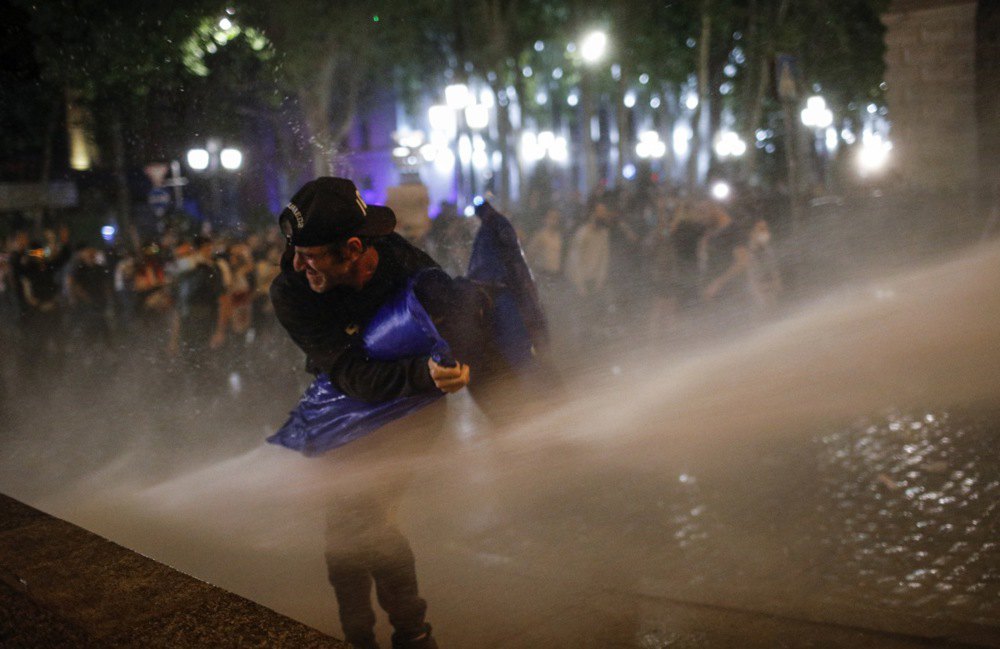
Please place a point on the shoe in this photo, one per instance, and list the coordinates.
(420, 639)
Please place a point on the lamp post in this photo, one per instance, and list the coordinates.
(819, 118)
(592, 49)
(213, 161)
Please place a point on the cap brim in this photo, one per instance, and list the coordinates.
(379, 221)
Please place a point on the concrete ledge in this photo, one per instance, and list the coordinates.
(61, 585)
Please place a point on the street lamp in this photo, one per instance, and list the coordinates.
(209, 160)
(593, 46)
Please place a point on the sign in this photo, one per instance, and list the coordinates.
(159, 200)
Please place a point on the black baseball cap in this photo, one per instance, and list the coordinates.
(331, 209)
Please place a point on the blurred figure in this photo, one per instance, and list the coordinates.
(450, 240)
(240, 275)
(201, 307)
(90, 288)
(686, 232)
(661, 257)
(589, 254)
(41, 293)
(146, 281)
(763, 274)
(723, 255)
(587, 270)
(545, 250)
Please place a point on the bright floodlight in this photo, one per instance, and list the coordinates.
(874, 153)
(231, 159)
(593, 45)
(720, 191)
(729, 144)
(816, 114)
(442, 119)
(198, 159)
(457, 96)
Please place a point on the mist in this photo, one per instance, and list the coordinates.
(834, 463)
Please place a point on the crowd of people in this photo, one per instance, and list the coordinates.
(611, 268)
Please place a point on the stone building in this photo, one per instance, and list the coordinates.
(943, 75)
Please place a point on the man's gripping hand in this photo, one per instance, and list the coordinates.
(449, 379)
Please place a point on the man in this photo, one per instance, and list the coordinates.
(342, 263)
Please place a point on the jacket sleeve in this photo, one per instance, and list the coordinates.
(339, 355)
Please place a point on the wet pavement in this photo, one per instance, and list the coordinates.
(880, 533)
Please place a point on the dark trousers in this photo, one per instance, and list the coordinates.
(366, 548)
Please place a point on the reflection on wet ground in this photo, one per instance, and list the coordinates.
(888, 524)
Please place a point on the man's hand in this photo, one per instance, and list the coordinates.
(449, 379)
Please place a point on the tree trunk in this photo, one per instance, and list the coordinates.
(623, 130)
(588, 109)
(121, 180)
(701, 152)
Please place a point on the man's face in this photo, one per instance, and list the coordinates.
(324, 270)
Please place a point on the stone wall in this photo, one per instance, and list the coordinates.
(931, 77)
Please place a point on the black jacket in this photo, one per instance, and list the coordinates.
(327, 326)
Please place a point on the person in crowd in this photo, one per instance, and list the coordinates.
(587, 265)
(763, 273)
(660, 254)
(343, 262)
(240, 275)
(40, 280)
(545, 249)
(91, 291)
(686, 232)
(724, 254)
(201, 306)
(450, 239)
(146, 283)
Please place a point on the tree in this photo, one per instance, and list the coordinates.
(112, 59)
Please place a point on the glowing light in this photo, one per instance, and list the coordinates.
(650, 146)
(442, 119)
(572, 99)
(401, 151)
(469, 211)
(682, 140)
(691, 101)
(629, 99)
(464, 149)
(654, 102)
(832, 141)
(539, 46)
(628, 171)
(480, 160)
(730, 70)
(729, 145)
(428, 152)
(541, 98)
(225, 24)
(231, 159)
(593, 45)
(527, 71)
(557, 73)
(457, 96)
(529, 147)
(816, 114)
(198, 159)
(411, 139)
(721, 191)
(643, 78)
(477, 116)
(108, 232)
(872, 109)
(559, 150)
(874, 153)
